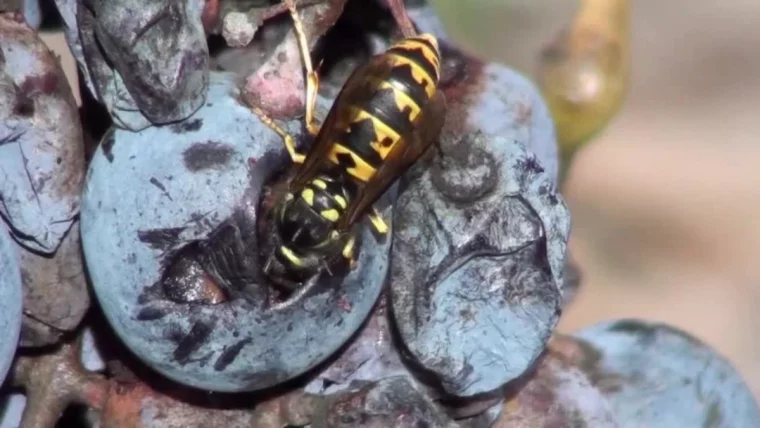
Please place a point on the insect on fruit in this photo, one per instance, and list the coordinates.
(387, 114)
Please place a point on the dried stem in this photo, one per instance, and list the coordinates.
(53, 382)
(279, 8)
(398, 9)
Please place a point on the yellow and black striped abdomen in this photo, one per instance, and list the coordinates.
(416, 66)
(371, 125)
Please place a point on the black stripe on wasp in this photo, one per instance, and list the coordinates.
(385, 117)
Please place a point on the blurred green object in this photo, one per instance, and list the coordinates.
(584, 73)
(508, 31)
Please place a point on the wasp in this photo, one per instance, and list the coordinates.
(386, 115)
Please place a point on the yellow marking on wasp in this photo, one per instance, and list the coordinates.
(430, 55)
(381, 149)
(308, 196)
(430, 39)
(340, 200)
(361, 171)
(291, 256)
(331, 214)
(348, 249)
(418, 73)
(377, 222)
(383, 132)
(402, 99)
(319, 183)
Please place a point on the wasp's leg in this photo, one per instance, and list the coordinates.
(312, 86)
(287, 139)
(377, 222)
(349, 252)
(312, 78)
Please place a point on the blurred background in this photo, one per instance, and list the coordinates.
(665, 200)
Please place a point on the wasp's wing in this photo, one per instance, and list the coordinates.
(408, 149)
(357, 88)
